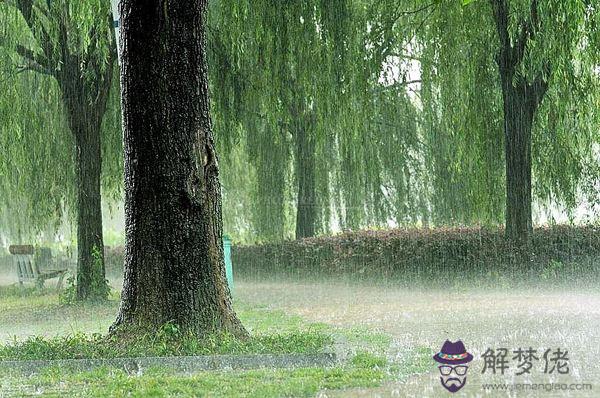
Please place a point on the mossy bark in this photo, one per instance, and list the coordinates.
(85, 104)
(174, 266)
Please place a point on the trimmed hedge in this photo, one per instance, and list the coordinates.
(412, 255)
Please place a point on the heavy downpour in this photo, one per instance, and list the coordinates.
(340, 198)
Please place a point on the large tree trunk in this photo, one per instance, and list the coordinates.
(521, 102)
(306, 213)
(174, 268)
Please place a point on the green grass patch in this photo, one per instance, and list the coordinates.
(16, 298)
(273, 332)
(264, 320)
(305, 382)
(368, 360)
(413, 362)
(365, 339)
(18, 291)
(164, 343)
(364, 370)
(28, 311)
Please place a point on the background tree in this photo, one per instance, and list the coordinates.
(174, 267)
(349, 114)
(295, 83)
(476, 101)
(70, 48)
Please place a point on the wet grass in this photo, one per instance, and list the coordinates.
(363, 338)
(388, 332)
(272, 332)
(29, 312)
(364, 370)
(161, 345)
(416, 319)
(305, 382)
(35, 325)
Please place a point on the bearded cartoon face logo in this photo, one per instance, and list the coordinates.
(453, 358)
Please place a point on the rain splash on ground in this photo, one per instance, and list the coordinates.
(482, 319)
(542, 319)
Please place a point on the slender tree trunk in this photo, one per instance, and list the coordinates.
(84, 118)
(174, 268)
(521, 102)
(518, 122)
(91, 282)
(306, 214)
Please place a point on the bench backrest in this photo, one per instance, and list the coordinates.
(27, 270)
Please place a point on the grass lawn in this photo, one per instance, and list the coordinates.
(154, 382)
(34, 325)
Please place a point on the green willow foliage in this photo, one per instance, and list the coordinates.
(284, 71)
(389, 146)
(37, 175)
(464, 109)
(463, 115)
(399, 101)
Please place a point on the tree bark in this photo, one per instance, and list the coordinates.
(518, 122)
(174, 267)
(521, 101)
(91, 281)
(306, 213)
(85, 104)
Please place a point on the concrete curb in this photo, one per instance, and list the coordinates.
(185, 364)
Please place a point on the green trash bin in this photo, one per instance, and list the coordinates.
(228, 264)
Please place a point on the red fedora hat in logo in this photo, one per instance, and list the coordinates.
(453, 354)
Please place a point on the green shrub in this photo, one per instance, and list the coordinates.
(553, 270)
(444, 256)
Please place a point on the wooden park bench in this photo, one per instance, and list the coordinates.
(35, 269)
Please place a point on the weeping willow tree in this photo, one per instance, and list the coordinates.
(265, 58)
(298, 85)
(543, 46)
(463, 127)
(366, 113)
(509, 94)
(57, 69)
